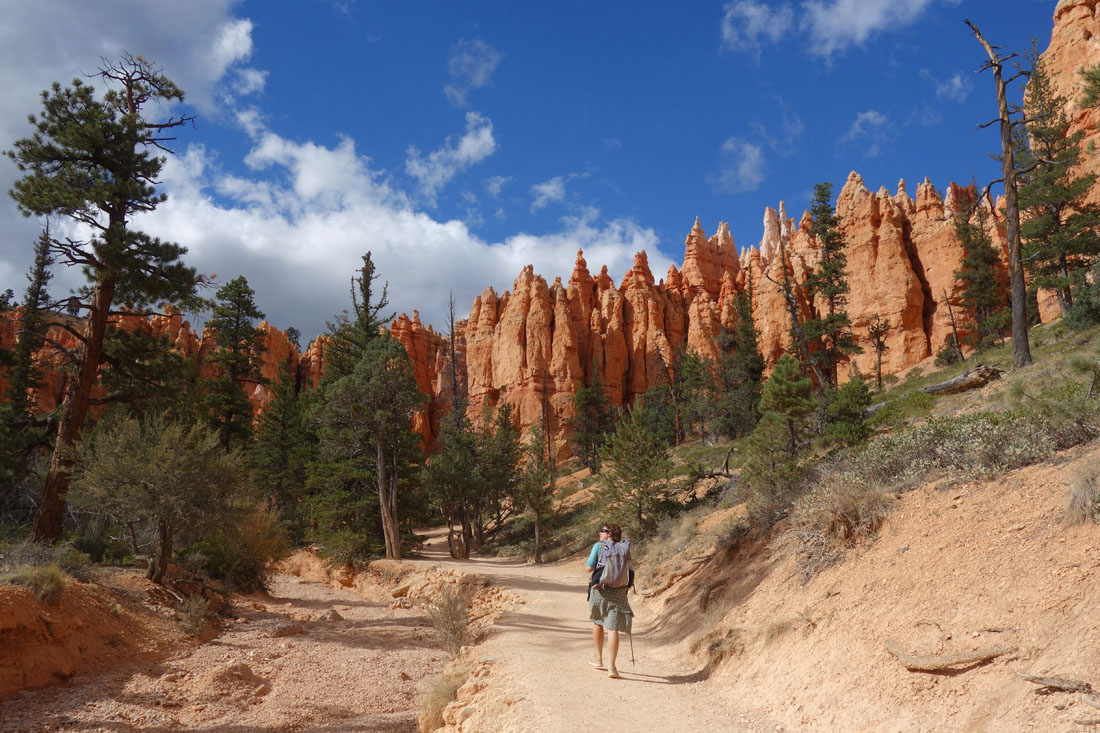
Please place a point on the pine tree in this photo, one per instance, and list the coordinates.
(877, 328)
(96, 162)
(351, 331)
(1007, 120)
(537, 485)
(281, 452)
(161, 471)
(453, 478)
(788, 394)
(1059, 230)
(366, 444)
(981, 292)
(741, 373)
(20, 433)
(846, 411)
(592, 420)
(238, 348)
(639, 480)
(829, 283)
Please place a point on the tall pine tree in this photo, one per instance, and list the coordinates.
(238, 349)
(828, 284)
(1060, 227)
(981, 292)
(96, 162)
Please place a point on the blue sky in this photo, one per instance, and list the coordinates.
(460, 141)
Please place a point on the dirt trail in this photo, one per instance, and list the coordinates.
(535, 673)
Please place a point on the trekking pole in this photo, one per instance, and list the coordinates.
(631, 637)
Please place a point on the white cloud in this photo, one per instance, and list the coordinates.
(742, 167)
(868, 131)
(201, 45)
(440, 166)
(250, 81)
(836, 24)
(956, 88)
(547, 192)
(494, 184)
(297, 216)
(298, 242)
(471, 65)
(746, 23)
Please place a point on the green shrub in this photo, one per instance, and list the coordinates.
(46, 581)
(243, 554)
(949, 354)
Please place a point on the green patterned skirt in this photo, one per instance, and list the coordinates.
(610, 609)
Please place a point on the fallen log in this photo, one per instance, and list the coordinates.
(1090, 699)
(916, 663)
(979, 376)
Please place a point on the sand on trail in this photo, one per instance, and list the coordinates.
(532, 671)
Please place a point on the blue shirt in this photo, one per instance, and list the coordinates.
(594, 555)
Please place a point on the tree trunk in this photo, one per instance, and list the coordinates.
(538, 539)
(51, 509)
(467, 532)
(158, 563)
(1021, 350)
(389, 521)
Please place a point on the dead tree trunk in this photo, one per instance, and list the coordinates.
(1021, 350)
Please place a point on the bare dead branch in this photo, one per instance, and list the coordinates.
(1058, 683)
(916, 663)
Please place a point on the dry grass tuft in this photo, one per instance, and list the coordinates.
(194, 615)
(1084, 499)
(440, 693)
(450, 615)
(47, 581)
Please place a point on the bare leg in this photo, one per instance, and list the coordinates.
(597, 639)
(613, 650)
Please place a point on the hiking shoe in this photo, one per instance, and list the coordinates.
(597, 663)
(613, 673)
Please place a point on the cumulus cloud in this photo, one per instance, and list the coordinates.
(547, 192)
(299, 241)
(955, 88)
(742, 167)
(200, 45)
(834, 25)
(868, 131)
(440, 166)
(746, 24)
(471, 66)
(293, 216)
